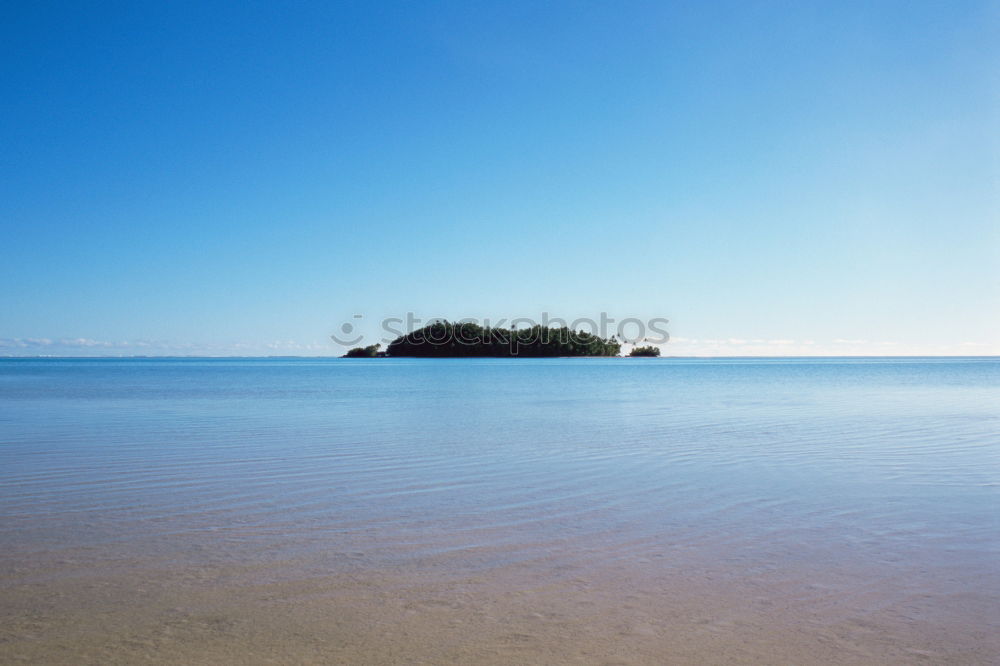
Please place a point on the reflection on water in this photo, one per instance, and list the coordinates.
(813, 481)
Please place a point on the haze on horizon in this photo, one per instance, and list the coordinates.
(774, 178)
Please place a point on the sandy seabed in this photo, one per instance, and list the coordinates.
(91, 608)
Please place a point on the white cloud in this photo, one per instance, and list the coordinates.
(81, 346)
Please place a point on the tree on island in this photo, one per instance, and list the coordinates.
(444, 339)
(371, 351)
(645, 351)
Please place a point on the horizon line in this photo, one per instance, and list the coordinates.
(291, 356)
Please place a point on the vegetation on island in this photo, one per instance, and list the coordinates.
(464, 339)
(371, 351)
(645, 351)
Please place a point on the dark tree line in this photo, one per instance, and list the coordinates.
(462, 339)
(645, 351)
(371, 351)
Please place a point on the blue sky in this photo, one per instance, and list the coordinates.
(241, 178)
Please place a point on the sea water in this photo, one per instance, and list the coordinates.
(846, 488)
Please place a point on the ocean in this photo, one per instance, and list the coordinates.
(806, 510)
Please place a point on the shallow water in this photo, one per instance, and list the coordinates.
(595, 510)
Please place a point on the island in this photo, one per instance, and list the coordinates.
(443, 339)
(371, 351)
(645, 351)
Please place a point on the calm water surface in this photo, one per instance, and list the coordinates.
(883, 469)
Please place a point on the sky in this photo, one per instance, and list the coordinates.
(775, 178)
